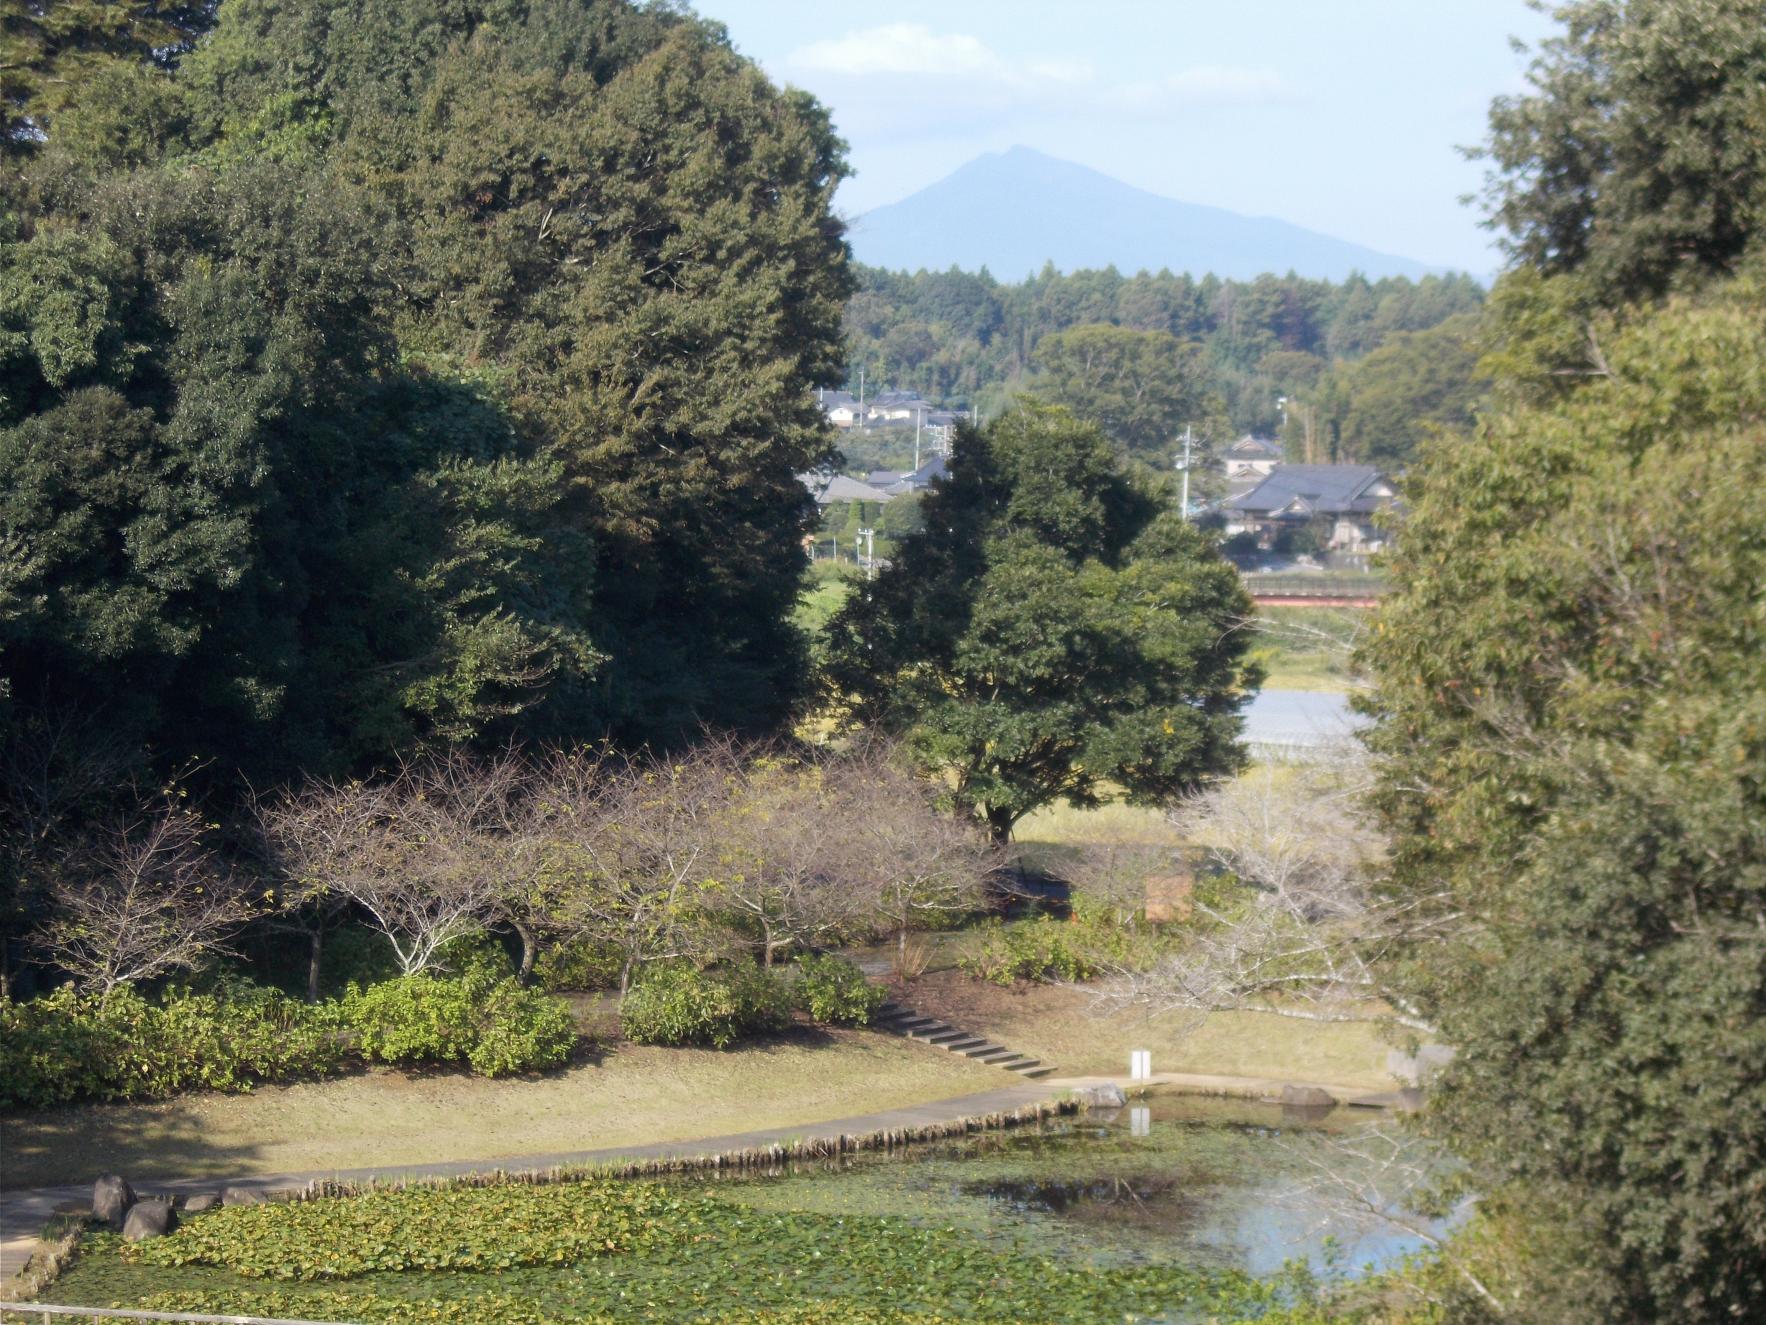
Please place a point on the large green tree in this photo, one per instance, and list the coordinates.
(1572, 724)
(1054, 628)
(1140, 387)
(1638, 158)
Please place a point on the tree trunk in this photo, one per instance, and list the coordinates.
(999, 825)
(315, 948)
(529, 951)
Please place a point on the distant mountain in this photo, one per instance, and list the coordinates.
(1013, 211)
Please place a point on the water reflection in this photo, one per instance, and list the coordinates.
(1205, 1182)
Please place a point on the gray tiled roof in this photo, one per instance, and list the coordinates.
(1320, 489)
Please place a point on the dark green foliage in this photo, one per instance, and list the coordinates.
(1052, 628)
(58, 57)
(578, 964)
(491, 1024)
(68, 1046)
(833, 990)
(1637, 160)
(1386, 405)
(1570, 664)
(675, 1003)
(1231, 347)
(1140, 387)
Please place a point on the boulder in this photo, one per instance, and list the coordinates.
(1101, 1097)
(149, 1219)
(241, 1196)
(1308, 1097)
(195, 1205)
(111, 1198)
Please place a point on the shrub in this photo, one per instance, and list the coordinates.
(1043, 949)
(579, 964)
(494, 1025)
(834, 991)
(673, 1003)
(68, 1046)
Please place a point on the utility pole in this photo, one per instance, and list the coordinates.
(1184, 465)
(870, 558)
(861, 400)
(919, 419)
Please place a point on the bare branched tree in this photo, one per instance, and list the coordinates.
(630, 849)
(142, 895)
(426, 854)
(1116, 873)
(919, 865)
(1305, 934)
(793, 873)
(1380, 1176)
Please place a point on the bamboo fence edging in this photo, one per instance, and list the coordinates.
(750, 1159)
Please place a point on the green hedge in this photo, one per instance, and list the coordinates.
(67, 1046)
(673, 1003)
(833, 991)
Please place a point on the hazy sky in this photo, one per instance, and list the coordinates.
(1339, 115)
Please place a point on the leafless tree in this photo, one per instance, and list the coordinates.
(426, 853)
(1379, 1176)
(920, 864)
(792, 874)
(1115, 874)
(629, 848)
(1307, 935)
(56, 764)
(142, 895)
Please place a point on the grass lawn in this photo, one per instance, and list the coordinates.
(631, 1095)
(1302, 648)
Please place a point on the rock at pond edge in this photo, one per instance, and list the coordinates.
(111, 1199)
(149, 1219)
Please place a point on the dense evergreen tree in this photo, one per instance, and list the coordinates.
(1053, 627)
(1570, 699)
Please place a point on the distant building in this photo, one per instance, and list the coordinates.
(1252, 455)
(1341, 501)
(833, 489)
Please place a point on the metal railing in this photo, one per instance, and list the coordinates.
(47, 1313)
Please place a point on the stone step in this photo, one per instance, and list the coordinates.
(1025, 1066)
(967, 1042)
(898, 1019)
(1006, 1059)
(1037, 1072)
(986, 1050)
(948, 1035)
(890, 1009)
(911, 1024)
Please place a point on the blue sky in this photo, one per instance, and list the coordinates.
(1339, 115)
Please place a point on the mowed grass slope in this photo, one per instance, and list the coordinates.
(634, 1095)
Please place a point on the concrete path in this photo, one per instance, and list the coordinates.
(24, 1212)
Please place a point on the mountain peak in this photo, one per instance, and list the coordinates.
(1015, 210)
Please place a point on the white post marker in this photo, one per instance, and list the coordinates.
(1140, 1065)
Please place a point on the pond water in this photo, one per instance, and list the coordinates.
(1173, 1178)
(1299, 720)
(1175, 1209)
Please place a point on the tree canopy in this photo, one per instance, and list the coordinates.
(1053, 627)
(1569, 698)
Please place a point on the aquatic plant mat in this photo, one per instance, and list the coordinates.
(1069, 1219)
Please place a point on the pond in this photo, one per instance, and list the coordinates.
(1175, 1209)
(1217, 1184)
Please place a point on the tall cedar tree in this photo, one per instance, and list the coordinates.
(1055, 627)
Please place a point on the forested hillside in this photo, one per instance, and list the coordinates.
(1368, 366)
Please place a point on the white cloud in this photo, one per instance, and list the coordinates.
(902, 48)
